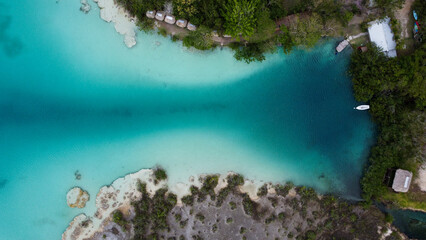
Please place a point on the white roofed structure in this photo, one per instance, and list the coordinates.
(150, 14)
(381, 34)
(160, 16)
(181, 23)
(170, 19)
(402, 180)
(191, 27)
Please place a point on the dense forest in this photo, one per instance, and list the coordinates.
(253, 23)
(396, 91)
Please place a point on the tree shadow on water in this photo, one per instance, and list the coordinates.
(12, 46)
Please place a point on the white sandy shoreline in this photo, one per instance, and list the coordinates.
(123, 23)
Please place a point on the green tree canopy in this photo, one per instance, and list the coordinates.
(285, 39)
(185, 9)
(240, 17)
(306, 30)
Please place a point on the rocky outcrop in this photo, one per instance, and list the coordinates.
(123, 23)
(85, 6)
(77, 197)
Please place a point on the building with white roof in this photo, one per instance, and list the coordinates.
(381, 34)
(402, 180)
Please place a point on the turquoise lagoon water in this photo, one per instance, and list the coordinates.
(73, 97)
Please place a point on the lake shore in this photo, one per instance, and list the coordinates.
(122, 192)
(263, 208)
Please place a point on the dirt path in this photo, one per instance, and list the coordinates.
(172, 29)
(404, 17)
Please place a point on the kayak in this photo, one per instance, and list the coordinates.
(415, 15)
(416, 29)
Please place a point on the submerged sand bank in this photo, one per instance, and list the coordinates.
(123, 23)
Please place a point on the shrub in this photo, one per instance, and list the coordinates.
(306, 31)
(209, 184)
(118, 218)
(285, 39)
(270, 219)
(233, 205)
(200, 217)
(160, 174)
(214, 228)
(146, 25)
(388, 218)
(200, 39)
(250, 53)
(310, 235)
(249, 206)
(162, 31)
(188, 200)
(262, 191)
(283, 190)
(307, 193)
(235, 180)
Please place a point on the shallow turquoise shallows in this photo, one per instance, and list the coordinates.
(73, 97)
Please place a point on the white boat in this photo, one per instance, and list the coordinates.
(342, 45)
(362, 107)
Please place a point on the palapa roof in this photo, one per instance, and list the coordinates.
(160, 16)
(181, 23)
(170, 19)
(402, 180)
(191, 27)
(381, 34)
(150, 14)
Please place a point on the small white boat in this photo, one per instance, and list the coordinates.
(342, 45)
(362, 107)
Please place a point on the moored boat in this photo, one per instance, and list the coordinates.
(342, 45)
(415, 15)
(362, 107)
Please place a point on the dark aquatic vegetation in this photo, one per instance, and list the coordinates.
(3, 183)
(12, 45)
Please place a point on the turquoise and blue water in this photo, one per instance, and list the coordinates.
(73, 97)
